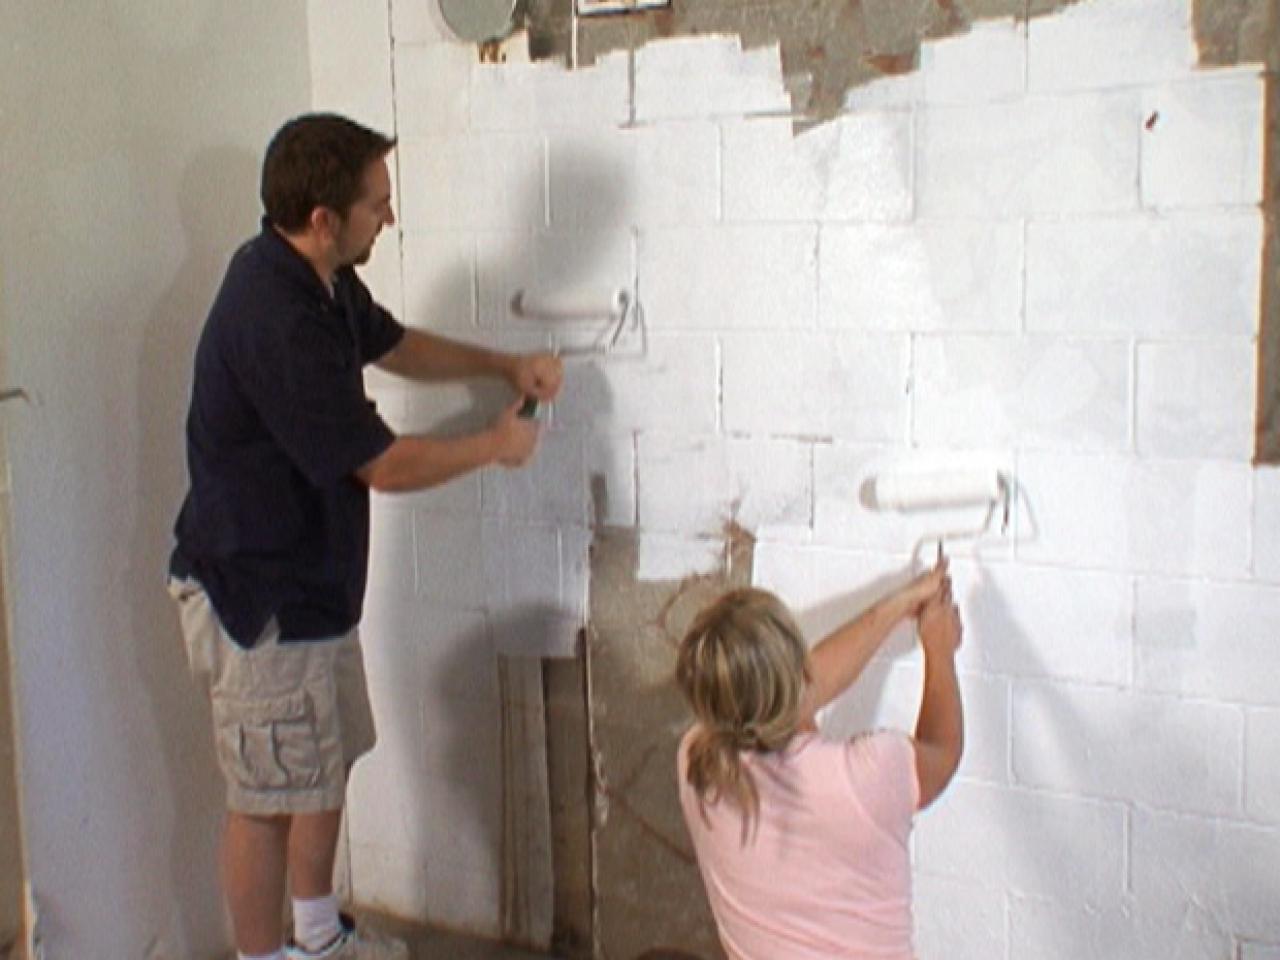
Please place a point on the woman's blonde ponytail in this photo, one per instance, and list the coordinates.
(742, 667)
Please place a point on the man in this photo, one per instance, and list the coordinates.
(272, 540)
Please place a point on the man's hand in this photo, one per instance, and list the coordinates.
(514, 437)
(537, 375)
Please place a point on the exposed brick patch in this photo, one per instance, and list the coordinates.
(647, 889)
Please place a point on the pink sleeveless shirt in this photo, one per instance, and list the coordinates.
(826, 871)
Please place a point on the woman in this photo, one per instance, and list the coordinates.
(802, 841)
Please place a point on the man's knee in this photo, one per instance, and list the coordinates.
(274, 825)
(311, 829)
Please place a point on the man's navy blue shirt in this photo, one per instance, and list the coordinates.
(276, 523)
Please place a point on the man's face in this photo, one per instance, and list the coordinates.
(367, 216)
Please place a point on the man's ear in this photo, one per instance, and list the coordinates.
(324, 223)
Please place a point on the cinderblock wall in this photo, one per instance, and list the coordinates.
(1041, 251)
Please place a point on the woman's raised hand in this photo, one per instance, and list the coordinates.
(926, 587)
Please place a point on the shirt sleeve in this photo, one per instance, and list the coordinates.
(882, 767)
(305, 380)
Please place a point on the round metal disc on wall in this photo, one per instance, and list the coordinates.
(475, 21)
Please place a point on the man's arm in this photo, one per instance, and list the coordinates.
(425, 356)
(839, 659)
(415, 462)
(939, 738)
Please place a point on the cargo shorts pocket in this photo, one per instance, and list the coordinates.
(268, 744)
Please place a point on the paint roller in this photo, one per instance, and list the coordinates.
(908, 489)
(616, 309)
(571, 305)
(913, 489)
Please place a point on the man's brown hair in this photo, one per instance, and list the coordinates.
(317, 160)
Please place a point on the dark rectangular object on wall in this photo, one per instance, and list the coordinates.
(569, 786)
(1267, 421)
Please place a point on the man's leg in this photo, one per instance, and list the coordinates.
(313, 844)
(253, 868)
(313, 847)
(290, 720)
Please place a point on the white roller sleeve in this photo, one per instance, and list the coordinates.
(932, 490)
(571, 304)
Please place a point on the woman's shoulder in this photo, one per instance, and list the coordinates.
(875, 741)
(880, 746)
(884, 763)
(873, 747)
(871, 753)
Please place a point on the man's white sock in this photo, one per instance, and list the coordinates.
(315, 922)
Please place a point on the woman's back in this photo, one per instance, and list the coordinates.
(824, 871)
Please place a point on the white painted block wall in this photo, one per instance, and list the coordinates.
(1041, 251)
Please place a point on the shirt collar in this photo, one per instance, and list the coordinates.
(282, 256)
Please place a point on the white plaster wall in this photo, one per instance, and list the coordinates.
(1040, 251)
(132, 136)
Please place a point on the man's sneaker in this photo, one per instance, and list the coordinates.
(351, 944)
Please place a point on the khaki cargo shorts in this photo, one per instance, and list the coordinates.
(289, 719)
